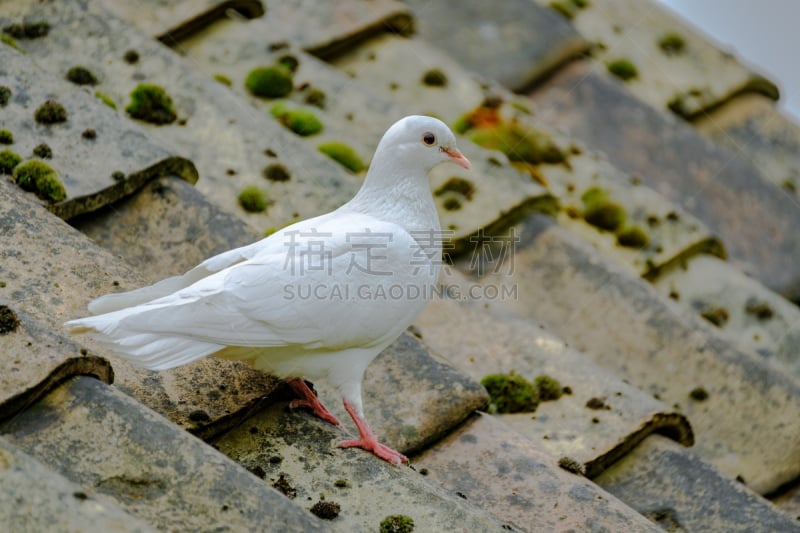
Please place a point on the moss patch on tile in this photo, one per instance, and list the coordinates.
(568, 8)
(6, 137)
(41, 179)
(223, 79)
(672, 43)
(276, 172)
(549, 388)
(301, 121)
(315, 97)
(510, 393)
(571, 465)
(327, 510)
(28, 30)
(269, 82)
(434, 78)
(8, 161)
(5, 95)
(50, 112)
(398, 523)
(8, 320)
(8, 40)
(151, 103)
(633, 237)
(600, 211)
(343, 154)
(623, 69)
(43, 151)
(716, 315)
(457, 185)
(81, 76)
(106, 99)
(252, 199)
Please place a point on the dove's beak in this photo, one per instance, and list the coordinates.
(457, 157)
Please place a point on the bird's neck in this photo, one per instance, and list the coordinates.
(398, 195)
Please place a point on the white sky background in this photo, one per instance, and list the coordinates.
(762, 33)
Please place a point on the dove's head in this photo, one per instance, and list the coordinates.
(424, 141)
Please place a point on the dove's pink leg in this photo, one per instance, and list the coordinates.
(368, 440)
(310, 400)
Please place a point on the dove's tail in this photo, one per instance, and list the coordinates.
(122, 300)
(154, 351)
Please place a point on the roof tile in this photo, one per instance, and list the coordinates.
(84, 166)
(745, 424)
(563, 427)
(753, 218)
(677, 67)
(514, 42)
(301, 449)
(509, 476)
(35, 498)
(103, 440)
(673, 487)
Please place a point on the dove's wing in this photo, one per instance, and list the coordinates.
(121, 300)
(325, 283)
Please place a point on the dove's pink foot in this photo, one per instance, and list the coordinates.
(369, 441)
(310, 400)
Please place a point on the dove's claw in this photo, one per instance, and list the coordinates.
(368, 440)
(381, 450)
(310, 400)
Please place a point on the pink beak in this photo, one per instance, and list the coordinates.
(458, 158)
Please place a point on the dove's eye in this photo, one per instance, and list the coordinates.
(429, 138)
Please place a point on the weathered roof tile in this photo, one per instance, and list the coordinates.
(676, 67)
(562, 427)
(509, 476)
(104, 440)
(513, 42)
(745, 424)
(85, 166)
(681, 492)
(35, 498)
(754, 219)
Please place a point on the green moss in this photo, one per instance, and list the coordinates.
(43, 151)
(549, 388)
(633, 237)
(342, 154)
(223, 79)
(716, 315)
(462, 125)
(5, 95)
(269, 82)
(131, 57)
(760, 310)
(8, 40)
(672, 43)
(105, 99)
(8, 161)
(41, 179)
(571, 465)
(698, 394)
(152, 104)
(434, 78)
(8, 320)
(341, 483)
(50, 112)
(276, 172)
(452, 204)
(459, 185)
(398, 523)
(519, 143)
(623, 69)
(118, 175)
(81, 76)
(316, 97)
(581, 4)
(326, 510)
(510, 393)
(252, 199)
(602, 212)
(300, 121)
(6, 137)
(289, 62)
(27, 30)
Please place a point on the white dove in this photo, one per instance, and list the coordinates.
(319, 299)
